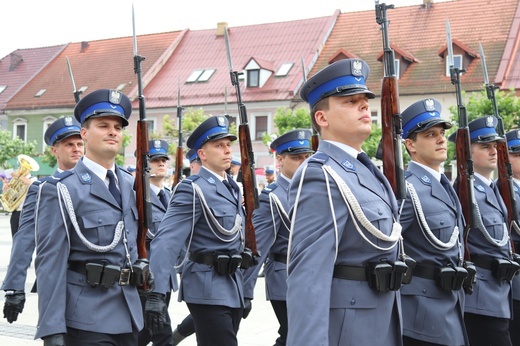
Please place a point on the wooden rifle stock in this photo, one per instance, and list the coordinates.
(392, 151)
(142, 172)
(464, 183)
(315, 139)
(505, 182)
(247, 159)
(179, 155)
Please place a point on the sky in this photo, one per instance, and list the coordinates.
(41, 23)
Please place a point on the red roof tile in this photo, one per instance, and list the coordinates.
(96, 64)
(33, 60)
(276, 43)
(421, 32)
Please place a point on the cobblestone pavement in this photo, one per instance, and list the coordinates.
(259, 329)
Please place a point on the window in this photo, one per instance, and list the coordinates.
(151, 127)
(40, 93)
(457, 62)
(2, 88)
(46, 123)
(284, 70)
(397, 64)
(260, 126)
(253, 78)
(200, 76)
(373, 115)
(206, 75)
(20, 129)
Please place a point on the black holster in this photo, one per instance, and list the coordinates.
(471, 278)
(504, 269)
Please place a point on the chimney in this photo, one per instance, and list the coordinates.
(427, 3)
(84, 46)
(16, 59)
(221, 27)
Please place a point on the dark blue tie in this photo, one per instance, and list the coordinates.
(163, 198)
(230, 188)
(365, 160)
(447, 186)
(112, 186)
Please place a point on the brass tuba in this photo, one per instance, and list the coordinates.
(16, 189)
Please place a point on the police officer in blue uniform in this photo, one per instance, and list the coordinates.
(343, 245)
(86, 228)
(488, 309)
(272, 224)
(513, 145)
(206, 217)
(433, 302)
(63, 135)
(159, 198)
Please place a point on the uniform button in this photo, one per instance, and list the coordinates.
(424, 290)
(353, 302)
(131, 247)
(99, 221)
(81, 279)
(442, 222)
(379, 211)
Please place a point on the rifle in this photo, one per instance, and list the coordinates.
(248, 160)
(179, 156)
(76, 92)
(142, 174)
(505, 181)
(390, 149)
(465, 180)
(315, 140)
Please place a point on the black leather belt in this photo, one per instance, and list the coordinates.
(424, 271)
(202, 258)
(484, 262)
(78, 267)
(278, 257)
(345, 272)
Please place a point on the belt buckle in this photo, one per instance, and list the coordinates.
(124, 278)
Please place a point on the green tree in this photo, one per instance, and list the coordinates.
(479, 105)
(285, 120)
(11, 148)
(191, 118)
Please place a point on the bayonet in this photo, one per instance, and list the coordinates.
(76, 93)
(449, 44)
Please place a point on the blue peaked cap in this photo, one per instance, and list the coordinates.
(481, 130)
(61, 129)
(211, 129)
(422, 115)
(104, 102)
(293, 142)
(513, 141)
(158, 148)
(191, 155)
(342, 78)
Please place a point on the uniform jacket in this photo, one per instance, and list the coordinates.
(323, 310)
(65, 297)
(491, 297)
(516, 239)
(430, 313)
(200, 283)
(272, 236)
(158, 211)
(23, 243)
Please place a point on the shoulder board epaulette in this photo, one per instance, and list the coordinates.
(269, 188)
(190, 179)
(319, 157)
(53, 179)
(407, 174)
